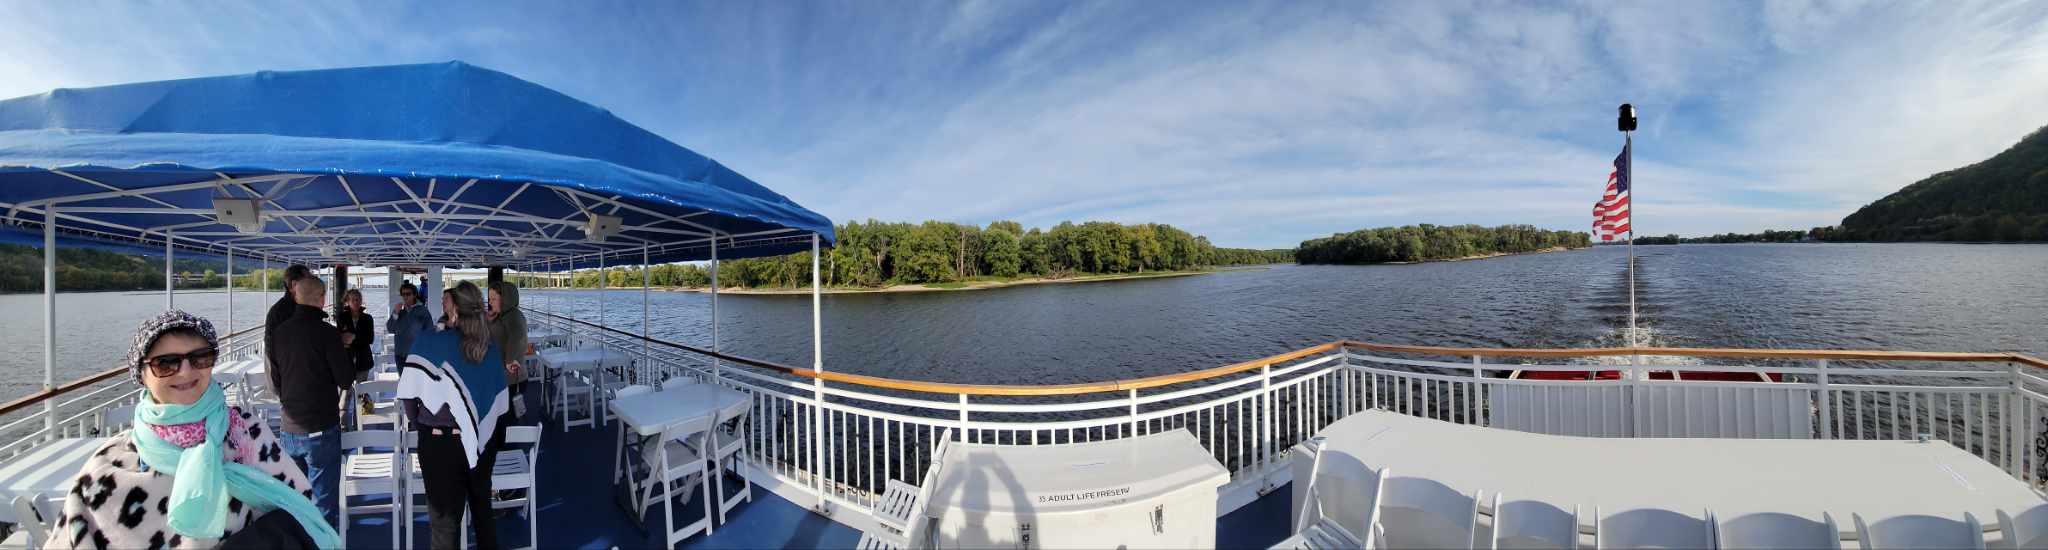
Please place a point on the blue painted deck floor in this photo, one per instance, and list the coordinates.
(580, 509)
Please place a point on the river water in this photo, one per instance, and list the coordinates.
(1923, 297)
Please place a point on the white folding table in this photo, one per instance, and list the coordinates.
(47, 470)
(558, 362)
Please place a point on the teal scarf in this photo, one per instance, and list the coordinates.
(203, 479)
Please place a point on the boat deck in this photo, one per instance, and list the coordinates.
(579, 509)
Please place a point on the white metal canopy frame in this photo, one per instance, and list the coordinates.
(461, 223)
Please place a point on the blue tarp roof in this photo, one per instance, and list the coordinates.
(443, 164)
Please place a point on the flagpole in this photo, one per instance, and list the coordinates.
(1626, 122)
(1628, 151)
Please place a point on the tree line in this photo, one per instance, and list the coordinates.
(1421, 243)
(877, 254)
(87, 269)
(1767, 236)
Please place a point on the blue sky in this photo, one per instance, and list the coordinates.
(1257, 124)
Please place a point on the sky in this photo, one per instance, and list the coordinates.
(1257, 124)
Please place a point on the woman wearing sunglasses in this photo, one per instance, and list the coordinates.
(192, 472)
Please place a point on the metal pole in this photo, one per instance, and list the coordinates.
(600, 288)
(716, 363)
(645, 262)
(1629, 159)
(169, 294)
(231, 290)
(817, 384)
(49, 318)
(265, 274)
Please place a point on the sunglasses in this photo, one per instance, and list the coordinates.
(166, 365)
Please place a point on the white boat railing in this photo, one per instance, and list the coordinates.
(843, 449)
(85, 402)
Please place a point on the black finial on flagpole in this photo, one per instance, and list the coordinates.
(1627, 119)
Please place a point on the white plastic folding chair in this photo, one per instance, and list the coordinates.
(627, 445)
(1316, 529)
(2027, 530)
(383, 404)
(1912, 532)
(675, 467)
(369, 466)
(1654, 528)
(574, 390)
(1774, 530)
(514, 469)
(721, 444)
(900, 512)
(116, 418)
(1425, 513)
(1533, 525)
(33, 519)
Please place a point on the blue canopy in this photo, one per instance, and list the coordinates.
(413, 165)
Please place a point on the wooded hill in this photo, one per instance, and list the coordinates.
(1422, 243)
(877, 254)
(2004, 198)
(86, 269)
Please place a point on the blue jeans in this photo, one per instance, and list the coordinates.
(320, 456)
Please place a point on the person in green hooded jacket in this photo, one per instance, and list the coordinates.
(508, 326)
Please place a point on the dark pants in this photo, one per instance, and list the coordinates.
(453, 486)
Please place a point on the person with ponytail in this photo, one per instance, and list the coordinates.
(191, 472)
(453, 390)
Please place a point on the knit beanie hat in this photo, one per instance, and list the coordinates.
(146, 335)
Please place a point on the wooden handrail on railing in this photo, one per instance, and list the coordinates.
(1193, 376)
(1944, 356)
(25, 401)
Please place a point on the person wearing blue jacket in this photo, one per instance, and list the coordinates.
(408, 320)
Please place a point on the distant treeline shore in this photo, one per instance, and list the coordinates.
(1426, 243)
(876, 254)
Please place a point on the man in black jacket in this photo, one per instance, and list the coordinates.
(285, 306)
(309, 370)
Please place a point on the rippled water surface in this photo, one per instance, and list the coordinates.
(1939, 297)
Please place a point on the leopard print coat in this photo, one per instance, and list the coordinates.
(117, 502)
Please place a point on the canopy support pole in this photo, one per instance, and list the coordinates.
(645, 269)
(231, 290)
(265, 274)
(170, 294)
(716, 363)
(49, 319)
(817, 384)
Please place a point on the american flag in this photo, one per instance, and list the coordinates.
(1611, 215)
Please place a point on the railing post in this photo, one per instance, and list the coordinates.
(2012, 421)
(1343, 381)
(49, 317)
(1827, 402)
(963, 419)
(1472, 397)
(1266, 391)
(1134, 412)
(1635, 402)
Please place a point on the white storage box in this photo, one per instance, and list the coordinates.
(1155, 491)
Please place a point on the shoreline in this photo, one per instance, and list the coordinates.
(1482, 256)
(944, 287)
